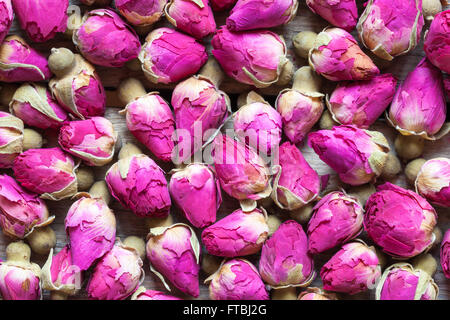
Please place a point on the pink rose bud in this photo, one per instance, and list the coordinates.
(312, 293)
(342, 14)
(174, 253)
(361, 103)
(41, 19)
(20, 210)
(402, 282)
(437, 41)
(419, 105)
(19, 62)
(106, 40)
(11, 139)
(433, 181)
(237, 279)
(220, 5)
(141, 13)
(337, 56)
(169, 56)
(259, 14)
(253, 57)
(34, 104)
(143, 294)
(91, 228)
(285, 261)
(195, 17)
(238, 234)
(353, 269)
(337, 218)
(196, 191)
(357, 155)
(6, 18)
(390, 29)
(139, 184)
(91, 140)
(445, 254)
(399, 221)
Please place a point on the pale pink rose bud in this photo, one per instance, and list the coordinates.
(353, 269)
(144, 294)
(312, 293)
(220, 5)
(238, 234)
(437, 41)
(361, 103)
(337, 56)
(91, 140)
(419, 105)
(399, 221)
(342, 14)
(196, 191)
(259, 14)
(141, 12)
(445, 254)
(402, 282)
(285, 260)
(357, 155)
(106, 40)
(174, 254)
(169, 56)
(91, 228)
(19, 62)
(11, 139)
(252, 57)
(337, 218)
(237, 279)
(41, 19)
(195, 17)
(433, 181)
(390, 29)
(139, 184)
(6, 18)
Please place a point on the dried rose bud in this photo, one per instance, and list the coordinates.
(237, 279)
(174, 253)
(312, 293)
(399, 221)
(169, 56)
(433, 181)
(337, 218)
(41, 20)
(342, 14)
(238, 234)
(196, 191)
(141, 12)
(437, 41)
(357, 155)
(144, 294)
(220, 5)
(195, 17)
(285, 260)
(6, 18)
(259, 14)
(337, 56)
(445, 254)
(353, 269)
(11, 139)
(19, 62)
(106, 40)
(361, 103)
(419, 105)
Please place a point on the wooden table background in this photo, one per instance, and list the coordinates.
(128, 224)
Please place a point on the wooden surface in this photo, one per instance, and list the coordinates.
(128, 224)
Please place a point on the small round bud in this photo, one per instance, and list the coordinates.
(409, 147)
(303, 42)
(41, 240)
(32, 140)
(18, 251)
(392, 167)
(430, 8)
(286, 74)
(129, 149)
(412, 169)
(60, 60)
(100, 190)
(85, 178)
(136, 243)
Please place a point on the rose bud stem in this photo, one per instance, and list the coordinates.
(326, 122)
(130, 89)
(41, 240)
(128, 150)
(426, 262)
(100, 190)
(412, 169)
(6, 94)
(303, 43)
(32, 140)
(286, 74)
(392, 167)
(61, 61)
(85, 178)
(212, 71)
(137, 244)
(306, 80)
(159, 222)
(409, 147)
(289, 293)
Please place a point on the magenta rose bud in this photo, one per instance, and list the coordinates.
(419, 105)
(312, 293)
(91, 228)
(173, 253)
(41, 19)
(195, 17)
(361, 103)
(19, 62)
(11, 139)
(342, 14)
(220, 5)
(261, 14)
(169, 56)
(91, 140)
(106, 40)
(285, 261)
(445, 254)
(143, 294)
(6, 18)
(141, 13)
(353, 269)
(433, 181)
(237, 279)
(399, 221)
(196, 191)
(337, 56)
(357, 155)
(238, 234)
(337, 218)
(437, 41)
(139, 184)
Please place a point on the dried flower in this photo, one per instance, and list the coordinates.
(437, 41)
(433, 181)
(220, 5)
(342, 14)
(6, 18)
(141, 12)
